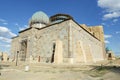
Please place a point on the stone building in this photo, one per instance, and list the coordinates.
(110, 54)
(58, 39)
(4, 56)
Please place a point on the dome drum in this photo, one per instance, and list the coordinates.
(60, 17)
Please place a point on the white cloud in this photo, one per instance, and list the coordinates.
(111, 8)
(5, 23)
(103, 24)
(5, 39)
(115, 20)
(107, 36)
(2, 20)
(16, 24)
(23, 28)
(107, 42)
(6, 32)
(111, 15)
(7, 45)
(117, 32)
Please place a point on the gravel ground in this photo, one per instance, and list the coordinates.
(47, 72)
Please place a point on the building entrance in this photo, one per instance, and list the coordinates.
(53, 53)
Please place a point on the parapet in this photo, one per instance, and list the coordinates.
(96, 31)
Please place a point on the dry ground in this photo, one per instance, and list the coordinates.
(60, 72)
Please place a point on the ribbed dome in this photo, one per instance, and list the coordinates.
(108, 49)
(39, 17)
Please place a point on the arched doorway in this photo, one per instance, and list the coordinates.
(53, 53)
(109, 56)
(23, 50)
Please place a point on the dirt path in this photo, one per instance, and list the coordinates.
(47, 72)
(57, 74)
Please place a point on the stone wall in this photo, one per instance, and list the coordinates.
(14, 47)
(49, 36)
(90, 47)
(28, 36)
(64, 42)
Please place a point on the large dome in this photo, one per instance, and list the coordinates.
(39, 17)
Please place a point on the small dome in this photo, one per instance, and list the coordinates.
(108, 49)
(39, 17)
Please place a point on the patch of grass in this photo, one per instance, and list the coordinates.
(98, 72)
(53, 79)
(50, 71)
(53, 71)
(0, 67)
(61, 71)
(47, 71)
(75, 70)
(37, 71)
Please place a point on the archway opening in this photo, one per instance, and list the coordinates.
(109, 56)
(23, 50)
(53, 53)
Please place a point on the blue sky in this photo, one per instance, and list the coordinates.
(15, 15)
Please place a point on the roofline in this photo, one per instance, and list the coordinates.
(14, 37)
(59, 17)
(52, 24)
(60, 14)
(43, 27)
(67, 20)
(59, 23)
(24, 30)
(85, 29)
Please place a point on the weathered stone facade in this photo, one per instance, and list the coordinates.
(60, 42)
